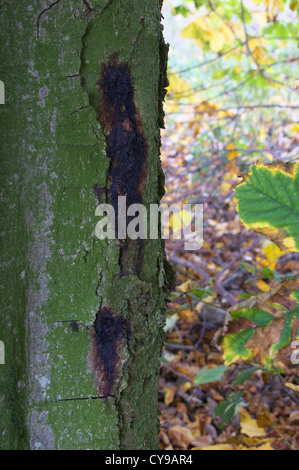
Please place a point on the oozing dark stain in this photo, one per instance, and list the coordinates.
(126, 144)
(126, 148)
(107, 335)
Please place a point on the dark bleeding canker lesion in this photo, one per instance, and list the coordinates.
(126, 145)
(109, 332)
(128, 152)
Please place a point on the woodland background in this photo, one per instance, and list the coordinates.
(232, 102)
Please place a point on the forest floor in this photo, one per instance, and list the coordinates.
(227, 266)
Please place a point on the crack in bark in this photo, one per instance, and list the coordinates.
(75, 399)
(119, 125)
(41, 14)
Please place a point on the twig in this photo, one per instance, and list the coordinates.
(173, 371)
(188, 264)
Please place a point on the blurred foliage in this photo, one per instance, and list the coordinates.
(231, 113)
(231, 98)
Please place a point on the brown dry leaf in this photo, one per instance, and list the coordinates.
(185, 369)
(184, 287)
(249, 441)
(185, 387)
(294, 417)
(263, 340)
(187, 315)
(202, 442)
(164, 438)
(275, 302)
(180, 436)
(218, 447)
(233, 326)
(263, 417)
(266, 446)
(258, 299)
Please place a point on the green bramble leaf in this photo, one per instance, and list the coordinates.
(229, 407)
(254, 314)
(181, 10)
(268, 203)
(243, 376)
(210, 375)
(286, 335)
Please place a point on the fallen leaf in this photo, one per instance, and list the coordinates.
(292, 386)
(180, 436)
(249, 426)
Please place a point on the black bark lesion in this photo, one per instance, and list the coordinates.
(126, 148)
(126, 144)
(109, 332)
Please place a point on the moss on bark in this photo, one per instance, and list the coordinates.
(56, 273)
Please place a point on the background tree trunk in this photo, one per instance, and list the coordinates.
(81, 319)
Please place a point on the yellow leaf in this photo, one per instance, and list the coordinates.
(295, 128)
(217, 447)
(292, 386)
(273, 254)
(263, 134)
(233, 154)
(206, 28)
(249, 426)
(266, 446)
(262, 285)
(225, 187)
(208, 106)
(177, 85)
(179, 221)
(217, 41)
(271, 5)
(184, 287)
(169, 395)
(176, 223)
(223, 114)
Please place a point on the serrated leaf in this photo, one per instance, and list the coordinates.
(286, 334)
(254, 314)
(268, 203)
(233, 346)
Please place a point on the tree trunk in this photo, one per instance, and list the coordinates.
(81, 318)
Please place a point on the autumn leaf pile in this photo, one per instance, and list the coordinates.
(227, 381)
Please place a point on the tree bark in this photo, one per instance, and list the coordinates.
(81, 318)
